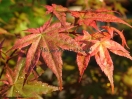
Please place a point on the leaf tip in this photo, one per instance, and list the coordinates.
(60, 88)
(80, 78)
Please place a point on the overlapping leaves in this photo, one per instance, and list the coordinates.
(46, 41)
(99, 46)
(59, 12)
(13, 83)
(89, 18)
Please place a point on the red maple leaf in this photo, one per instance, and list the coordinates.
(99, 48)
(112, 31)
(90, 18)
(47, 41)
(59, 12)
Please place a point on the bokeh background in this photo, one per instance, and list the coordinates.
(18, 15)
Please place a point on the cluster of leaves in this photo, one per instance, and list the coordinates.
(47, 43)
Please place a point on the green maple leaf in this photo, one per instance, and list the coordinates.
(13, 83)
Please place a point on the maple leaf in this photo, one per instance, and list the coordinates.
(116, 48)
(14, 78)
(89, 18)
(82, 62)
(47, 41)
(113, 30)
(99, 48)
(58, 11)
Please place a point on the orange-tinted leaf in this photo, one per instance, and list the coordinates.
(97, 16)
(93, 37)
(121, 53)
(58, 11)
(86, 35)
(117, 49)
(92, 24)
(113, 30)
(87, 22)
(94, 48)
(112, 45)
(25, 41)
(100, 35)
(32, 57)
(99, 50)
(104, 61)
(53, 61)
(82, 62)
(110, 30)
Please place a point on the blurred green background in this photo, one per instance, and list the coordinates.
(18, 15)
